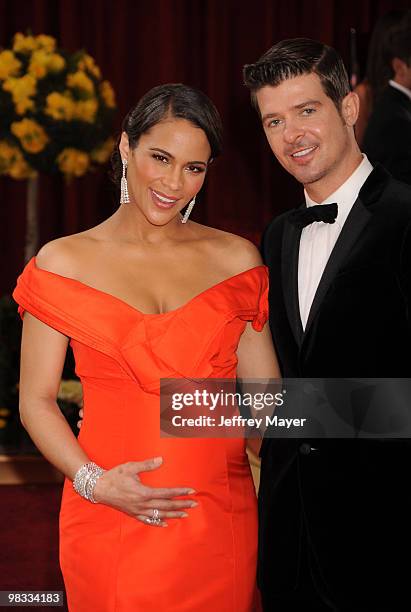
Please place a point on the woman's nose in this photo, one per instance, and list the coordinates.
(173, 179)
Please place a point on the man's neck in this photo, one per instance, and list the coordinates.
(320, 190)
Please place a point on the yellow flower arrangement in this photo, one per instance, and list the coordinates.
(9, 64)
(88, 63)
(102, 154)
(79, 80)
(47, 97)
(108, 95)
(32, 136)
(43, 62)
(86, 110)
(56, 63)
(4, 413)
(71, 391)
(21, 89)
(7, 153)
(60, 106)
(19, 169)
(13, 163)
(48, 43)
(23, 44)
(64, 108)
(73, 162)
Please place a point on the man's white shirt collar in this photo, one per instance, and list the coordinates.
(347, 193)
(404, 90)
(318, 239)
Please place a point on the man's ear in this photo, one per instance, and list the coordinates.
(399, 67)
(124, 146)
(350, 107)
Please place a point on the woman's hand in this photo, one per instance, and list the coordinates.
(81, 415)
(122, 489)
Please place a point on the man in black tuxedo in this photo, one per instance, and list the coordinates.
(388, 135)
(335, 515)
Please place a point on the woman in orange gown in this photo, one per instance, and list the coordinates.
(141, 297)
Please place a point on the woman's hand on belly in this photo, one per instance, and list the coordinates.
(122, 489)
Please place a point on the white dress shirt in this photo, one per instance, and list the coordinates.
(404, 90)
(318, 239)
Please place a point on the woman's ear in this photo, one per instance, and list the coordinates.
(350, 108)
(124, 146)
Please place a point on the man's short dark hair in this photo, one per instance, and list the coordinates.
(295, 57)
(399, 44)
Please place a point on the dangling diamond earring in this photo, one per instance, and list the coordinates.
(188, 211)
(124, 197)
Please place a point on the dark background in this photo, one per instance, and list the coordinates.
(204, 43)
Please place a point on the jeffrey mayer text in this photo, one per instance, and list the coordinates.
(236, 421)
(270, 421)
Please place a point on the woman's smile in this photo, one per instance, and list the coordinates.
(162, 200)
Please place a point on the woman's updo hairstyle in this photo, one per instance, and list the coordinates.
(170, 100)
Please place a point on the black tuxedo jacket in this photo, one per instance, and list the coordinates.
(388, 135)
(350, 500)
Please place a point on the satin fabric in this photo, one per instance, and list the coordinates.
(110, 561)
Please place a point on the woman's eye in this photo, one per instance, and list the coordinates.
(273, 123)
(160, 158)
(195, 169)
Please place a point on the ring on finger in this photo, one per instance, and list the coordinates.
(155, 519)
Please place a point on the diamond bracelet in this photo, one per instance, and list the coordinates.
(85, 480)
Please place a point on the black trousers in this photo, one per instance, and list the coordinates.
(309, 593)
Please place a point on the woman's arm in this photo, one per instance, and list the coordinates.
(43, 351)
(256, 354)
(42, 358)
(257, 360)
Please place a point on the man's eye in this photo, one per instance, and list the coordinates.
(160, 158)
(308, 111)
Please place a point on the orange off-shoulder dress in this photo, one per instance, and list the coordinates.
(110, 561)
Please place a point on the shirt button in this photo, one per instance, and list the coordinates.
(306, 449)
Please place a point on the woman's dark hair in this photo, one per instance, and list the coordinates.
(390, 38)
(170, 100)
(295, 57)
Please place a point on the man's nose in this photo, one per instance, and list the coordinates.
(292, 133)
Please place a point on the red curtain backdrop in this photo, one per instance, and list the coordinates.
(204, 43)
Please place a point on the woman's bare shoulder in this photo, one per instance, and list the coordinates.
(237, 253)
(64, 255)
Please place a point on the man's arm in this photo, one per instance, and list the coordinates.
(405, 270)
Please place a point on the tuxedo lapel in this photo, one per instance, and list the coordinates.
(289, 274)
(354, 225)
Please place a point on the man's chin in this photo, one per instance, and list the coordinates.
(307, 176)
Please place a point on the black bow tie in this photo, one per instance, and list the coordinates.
(322, 212)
